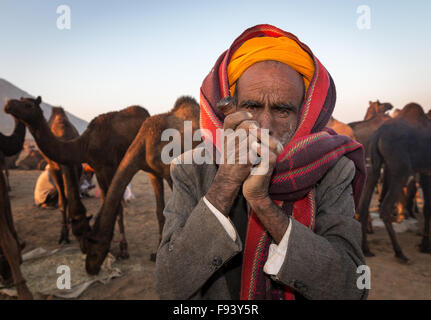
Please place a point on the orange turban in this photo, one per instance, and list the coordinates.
(282, 49)
(87, 168)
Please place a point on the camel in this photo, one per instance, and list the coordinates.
(374, 118)
(66, 177)
(406, 203)
(340, 128)
(376, 108)
(143, 154)
(10, 247)
(102, 145)
(4, 161)
(4, 170)
(402, 144)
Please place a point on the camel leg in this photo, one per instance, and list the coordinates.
(124, 254)
(410, 198)
(58, 181)
(385, 183)
(387, 208)
(425, 182)
(9, 245)
(105, 180)
(158, 187)
(363, 209)
(76, 212)
(6, 171)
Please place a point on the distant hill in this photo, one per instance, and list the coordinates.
(9, 91)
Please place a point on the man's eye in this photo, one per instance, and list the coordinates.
(250, 108)
(284, 112)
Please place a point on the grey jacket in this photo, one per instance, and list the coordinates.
(195, 246)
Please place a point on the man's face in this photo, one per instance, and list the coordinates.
(273, 93)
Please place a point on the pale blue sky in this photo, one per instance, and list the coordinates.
(120, 53)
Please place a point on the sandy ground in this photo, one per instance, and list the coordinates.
(41, 228)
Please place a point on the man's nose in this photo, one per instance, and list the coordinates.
(265, 121)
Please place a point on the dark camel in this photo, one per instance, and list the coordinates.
(143, 154)
(6, 161)
(66, 177)
(10, 247)
(4, 170)
(102, 145)
(403, 145)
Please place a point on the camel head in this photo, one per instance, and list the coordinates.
(379, 107)
(27, 110)
(97, 248)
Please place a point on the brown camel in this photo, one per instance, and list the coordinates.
(377, 108)
(102, 145)
(10, 247)
(145, 153)
(66, 177)
(374, 118)
(340, 128)
(402, 144)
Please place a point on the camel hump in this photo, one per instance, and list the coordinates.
(413, 112)
(135, 109)
(58, 111)
(185, 102)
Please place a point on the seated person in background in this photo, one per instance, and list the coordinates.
(86, 181)
(45, 192)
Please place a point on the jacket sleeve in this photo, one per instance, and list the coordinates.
(194, 243)
(323, 264)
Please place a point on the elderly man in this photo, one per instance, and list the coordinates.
(285, 234)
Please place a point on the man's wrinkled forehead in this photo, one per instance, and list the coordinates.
(271, 78)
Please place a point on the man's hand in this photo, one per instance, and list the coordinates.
(256, 185)
(233, 171)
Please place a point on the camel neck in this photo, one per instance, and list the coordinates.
(58, 150)
(12, 144)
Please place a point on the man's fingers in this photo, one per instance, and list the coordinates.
(248, 125)
(267, 160)
(258, 148)
(226, 106)
(234, 119)
(271, 142)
